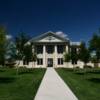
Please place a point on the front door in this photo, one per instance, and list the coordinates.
(50, 62)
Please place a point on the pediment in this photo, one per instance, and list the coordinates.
(49, 37)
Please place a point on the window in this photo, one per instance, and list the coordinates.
(60, 48)
(40, 61)
(25, 62)
(50, 49)
(60, 61)
(39, 49)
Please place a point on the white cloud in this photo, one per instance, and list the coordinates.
(62, 34)
(9, 37)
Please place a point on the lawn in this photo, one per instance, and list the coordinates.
(19, 87)
(85, 85)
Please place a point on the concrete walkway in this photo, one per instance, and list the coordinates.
(54, 88)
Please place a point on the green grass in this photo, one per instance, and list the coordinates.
(85, 85)
(21, 87)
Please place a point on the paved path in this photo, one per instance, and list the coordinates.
(53, 88)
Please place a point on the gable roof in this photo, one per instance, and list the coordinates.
(49, 33)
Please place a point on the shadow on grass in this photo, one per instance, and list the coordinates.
(87, 71)
(25, 71)
(30, 72)
(95, 80)
(95, 72)
(80, 73)
(2, 70)
(7, 79)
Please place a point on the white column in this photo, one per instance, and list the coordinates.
(77, 50)
(66, 48)
(55, 61)
(33, 49)
(44, 55)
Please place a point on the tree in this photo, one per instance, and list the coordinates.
(84, 54)
(34, 58)
(94, 61)
(20, 41)
(2, 45)
(19, 57)
(10, 55)
(74, 55)
(67, 57)
(28, 53)
(94, 45)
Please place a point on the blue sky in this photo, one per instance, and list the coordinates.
(77, 18)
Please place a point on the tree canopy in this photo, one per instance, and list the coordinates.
(84, 54)
(94, 45)
(67, 57)
(74, 55)
(20, 41)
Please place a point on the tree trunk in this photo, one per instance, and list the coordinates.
(17, 71)
(85, 69)
(95, 65)
(32, 64)
(74, 67)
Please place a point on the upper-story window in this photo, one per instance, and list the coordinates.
(39, 49)
(50, 49)
(60, 48)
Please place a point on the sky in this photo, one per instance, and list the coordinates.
(78, 19)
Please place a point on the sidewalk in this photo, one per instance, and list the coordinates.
(54, 88)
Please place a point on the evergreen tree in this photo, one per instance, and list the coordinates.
(74, 55)
(10, 54)
(94, 46)
(28, 53)
(20, 41)
(84, 54)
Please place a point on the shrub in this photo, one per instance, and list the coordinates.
(87, 66)
(77, 67)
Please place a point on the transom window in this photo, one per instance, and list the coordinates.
(60, 61)
(39, 61)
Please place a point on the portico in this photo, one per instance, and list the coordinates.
(50, 54)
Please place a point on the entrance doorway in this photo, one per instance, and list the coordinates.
(50, 62)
